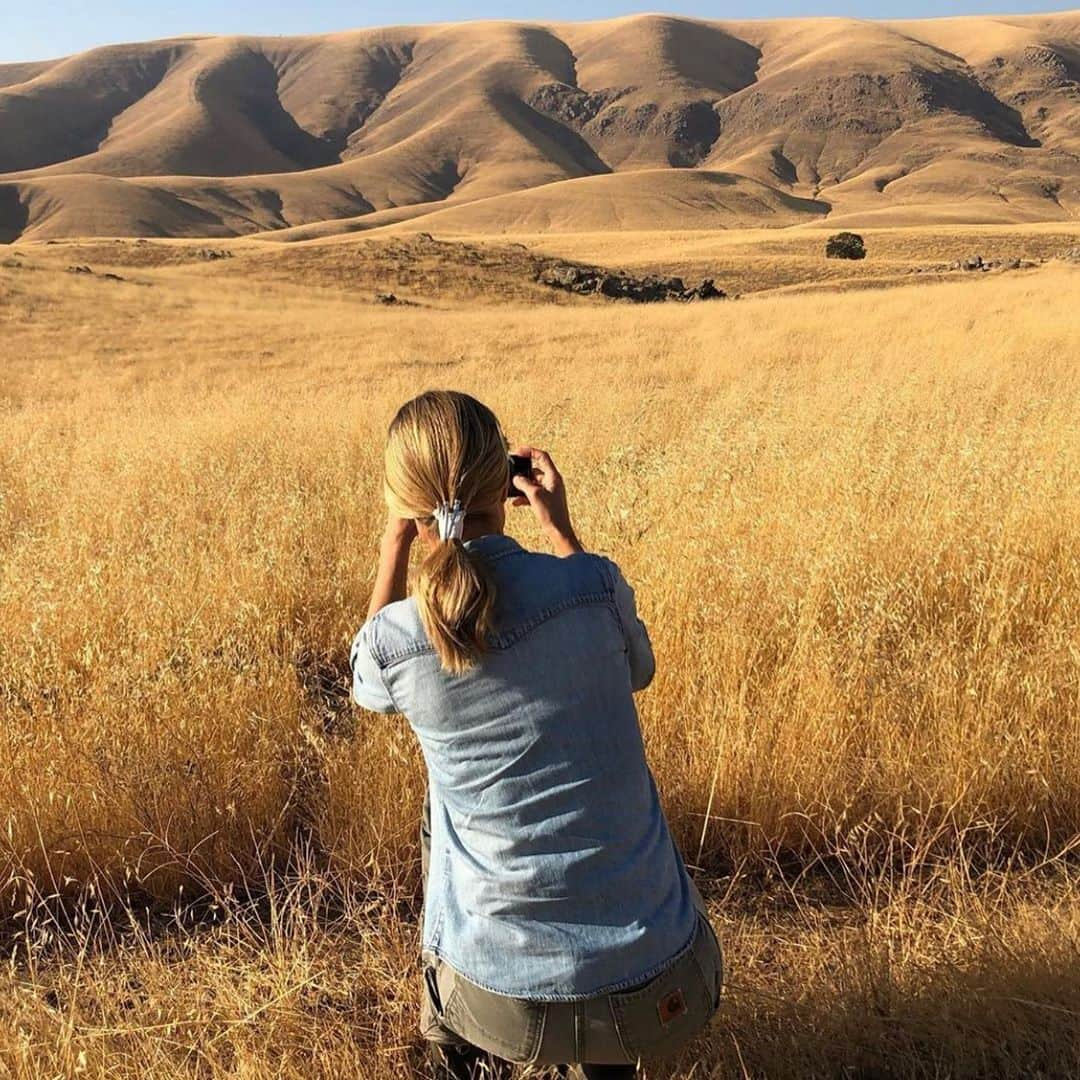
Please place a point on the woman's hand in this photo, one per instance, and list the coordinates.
(545, 492)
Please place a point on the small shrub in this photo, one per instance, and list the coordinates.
(845, 245)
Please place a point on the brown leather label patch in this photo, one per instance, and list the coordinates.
(671, 1005)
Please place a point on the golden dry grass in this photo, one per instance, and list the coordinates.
(853, 522)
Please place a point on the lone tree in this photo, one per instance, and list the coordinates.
(845, 245)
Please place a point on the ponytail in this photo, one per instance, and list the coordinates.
(446, 459)
(455, 595)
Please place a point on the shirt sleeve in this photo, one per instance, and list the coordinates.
(638, 647)
(369, 689)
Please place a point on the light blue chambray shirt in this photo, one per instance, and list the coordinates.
(553, 875)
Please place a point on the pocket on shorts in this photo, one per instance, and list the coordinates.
(662, 1016)
(510, 1028)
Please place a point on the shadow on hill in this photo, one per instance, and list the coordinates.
(249, 84)
(955, 91)
(709, 56)
(69, 113)
(549, 52)
(14, 214)
(388, 67)
(550, 137)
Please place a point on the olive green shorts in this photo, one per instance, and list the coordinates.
(651, 1020)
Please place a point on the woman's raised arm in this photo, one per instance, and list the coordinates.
(392, 575)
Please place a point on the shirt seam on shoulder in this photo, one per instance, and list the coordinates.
(605, 569)
(374, 653)
(495, 556)
(386, 659)
(541, 617)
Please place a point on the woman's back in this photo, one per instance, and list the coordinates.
(553, 875)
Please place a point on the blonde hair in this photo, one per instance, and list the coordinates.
(445, 446)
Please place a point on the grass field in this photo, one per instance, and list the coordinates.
(853, 524)
(451, 270)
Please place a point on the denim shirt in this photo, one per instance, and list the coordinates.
(553, 875)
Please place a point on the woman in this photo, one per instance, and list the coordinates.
(560, 926)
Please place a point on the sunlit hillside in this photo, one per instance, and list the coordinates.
(646, 121)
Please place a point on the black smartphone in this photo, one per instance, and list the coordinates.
(520, 465)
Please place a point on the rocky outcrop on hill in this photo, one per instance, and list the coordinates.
(594, 281)
(976, 263)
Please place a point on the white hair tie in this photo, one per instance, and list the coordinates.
(451, 519)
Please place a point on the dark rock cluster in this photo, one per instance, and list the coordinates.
(592, 281)
(976, 263)
(392, 300)
(87, 270)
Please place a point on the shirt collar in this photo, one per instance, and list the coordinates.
(493, 545)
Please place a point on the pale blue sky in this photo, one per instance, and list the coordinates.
(41, 29)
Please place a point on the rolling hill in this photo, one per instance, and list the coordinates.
(633, 123)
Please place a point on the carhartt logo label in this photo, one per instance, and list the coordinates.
(671, 1005)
